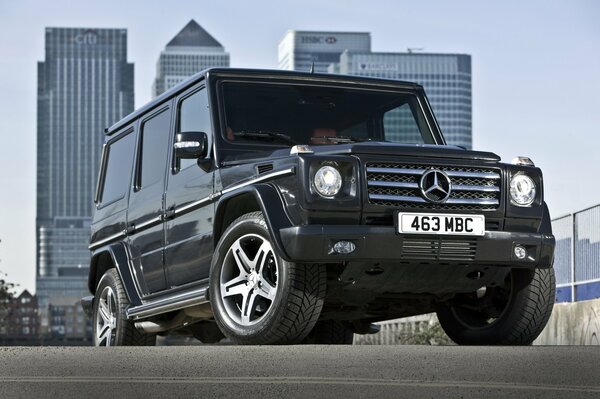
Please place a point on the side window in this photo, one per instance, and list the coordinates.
(117, 172)
(154, 149)
(193, 116)
(400, 126)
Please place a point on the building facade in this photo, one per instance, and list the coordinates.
(21, 323)
(85, 84)
(192, 50)
(445, 77)
(300, 50)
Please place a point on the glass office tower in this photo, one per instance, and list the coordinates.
(85, 84)
(299, 50)
(445, 77)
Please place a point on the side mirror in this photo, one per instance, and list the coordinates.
(191, 145)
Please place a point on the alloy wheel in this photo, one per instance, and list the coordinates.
(249, 279)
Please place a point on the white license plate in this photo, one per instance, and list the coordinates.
(436, 223)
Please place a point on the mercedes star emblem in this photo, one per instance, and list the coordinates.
(435, 186)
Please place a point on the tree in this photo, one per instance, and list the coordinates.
(6, 298)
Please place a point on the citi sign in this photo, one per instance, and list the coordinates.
(87, 37)
(318, 39)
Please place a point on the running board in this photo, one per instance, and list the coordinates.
(168, 304)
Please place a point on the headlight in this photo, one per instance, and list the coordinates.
(522, 190)
(328, 181)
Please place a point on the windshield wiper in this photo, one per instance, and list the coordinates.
(264, 134)
(345, 139)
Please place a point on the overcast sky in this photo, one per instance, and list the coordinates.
(536, 77)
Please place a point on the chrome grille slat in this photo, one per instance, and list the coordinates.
(396, 171)
(397, 185)
(476, 175)
(486, 189)
(380, 183)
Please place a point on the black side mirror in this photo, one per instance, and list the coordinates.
(191, 145)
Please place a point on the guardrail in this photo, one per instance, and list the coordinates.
(577, 255)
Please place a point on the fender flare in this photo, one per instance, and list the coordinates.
(271, 205)
(119, 255)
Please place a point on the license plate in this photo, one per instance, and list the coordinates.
(424, 223)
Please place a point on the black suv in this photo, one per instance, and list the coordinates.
(277, 207)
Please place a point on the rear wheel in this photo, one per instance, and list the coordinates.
(111, 326)
(257, 297)
(513, 314)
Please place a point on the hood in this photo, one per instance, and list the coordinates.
(407, 150)
(377, 148)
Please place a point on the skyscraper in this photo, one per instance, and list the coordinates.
(189, 52)
(84, 85)
(445, 77)
(299, 50)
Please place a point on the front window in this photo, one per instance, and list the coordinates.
(289, 114)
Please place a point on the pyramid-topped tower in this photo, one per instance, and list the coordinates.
(189, 52)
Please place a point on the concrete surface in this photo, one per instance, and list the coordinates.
(575, 323)
(301, 372)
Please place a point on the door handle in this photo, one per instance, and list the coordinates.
(129, 230)
(170, 213)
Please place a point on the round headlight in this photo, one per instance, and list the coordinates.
(328, 181)
(522, 190)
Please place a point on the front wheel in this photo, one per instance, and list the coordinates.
(111, 326)
(512, 314)
(257, 297)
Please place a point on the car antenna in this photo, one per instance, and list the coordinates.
(312, 68)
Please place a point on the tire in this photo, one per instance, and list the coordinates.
(281, 300)
(110, 324)
(329, 332)
(520, 312)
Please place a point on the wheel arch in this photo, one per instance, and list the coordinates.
(260, 197)
(113, 256)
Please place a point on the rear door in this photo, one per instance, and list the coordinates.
(146, 203)
(188, 234)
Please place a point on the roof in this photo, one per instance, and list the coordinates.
(193, 35)
(305, 77)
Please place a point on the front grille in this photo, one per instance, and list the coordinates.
(397, 185)
(439, 249)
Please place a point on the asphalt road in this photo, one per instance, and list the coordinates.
(300, 371)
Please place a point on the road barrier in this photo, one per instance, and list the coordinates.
(577, 255)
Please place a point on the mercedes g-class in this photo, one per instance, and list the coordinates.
(274, 207)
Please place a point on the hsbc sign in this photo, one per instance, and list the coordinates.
(318, 39)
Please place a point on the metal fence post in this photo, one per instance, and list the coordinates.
(573, 254)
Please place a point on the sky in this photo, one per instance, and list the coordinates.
(536, 77)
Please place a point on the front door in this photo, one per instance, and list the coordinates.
(188, 236)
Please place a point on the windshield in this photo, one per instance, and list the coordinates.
(288, 114)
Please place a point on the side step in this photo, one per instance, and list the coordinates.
(168, 304)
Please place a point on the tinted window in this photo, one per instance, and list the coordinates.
(194, 117)
(284, 115)
(155, 145)
(118, 168)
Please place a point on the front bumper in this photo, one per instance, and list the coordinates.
(314, 243)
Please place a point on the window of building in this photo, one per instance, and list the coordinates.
(400, 126)
(117, 172)
(154, 144)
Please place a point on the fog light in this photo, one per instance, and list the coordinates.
(344, 247)
(520, 252)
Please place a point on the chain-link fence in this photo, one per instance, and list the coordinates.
(577, 255)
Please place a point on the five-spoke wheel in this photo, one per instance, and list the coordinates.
(249, 279)
(257, 297)
(105, 318)
(111, 327)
